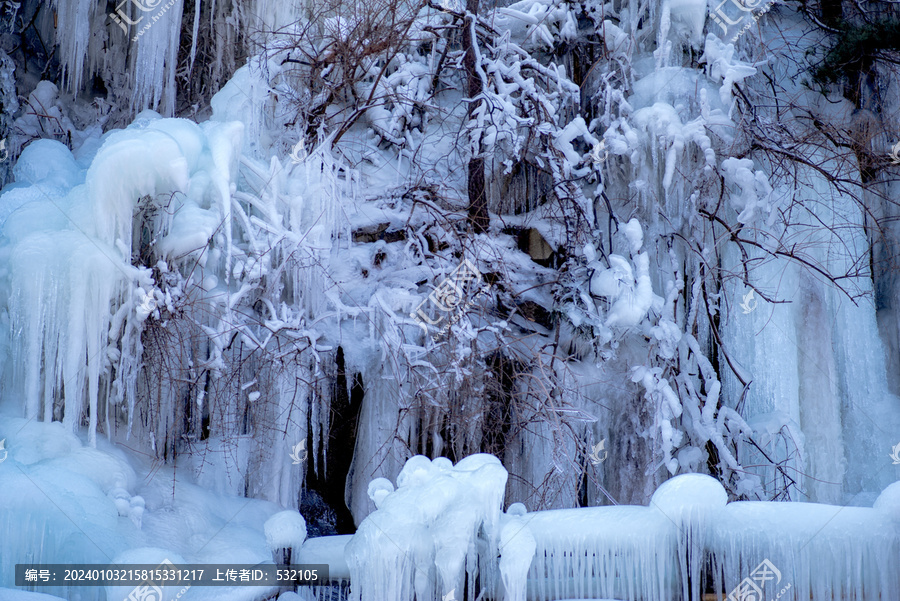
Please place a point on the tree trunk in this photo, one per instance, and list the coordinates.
(478, 211)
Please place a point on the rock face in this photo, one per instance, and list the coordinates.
(320, 517)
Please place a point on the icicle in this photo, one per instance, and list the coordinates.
(418, 542)
(73, 31)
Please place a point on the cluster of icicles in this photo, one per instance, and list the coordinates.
(442, 535)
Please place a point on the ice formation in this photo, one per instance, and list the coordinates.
(820, 550)
(517, 549)
(87, 279)
(182, 287)
(64, 501)
(286, 530)
(173, 217)
(627, 552)
(424, 540)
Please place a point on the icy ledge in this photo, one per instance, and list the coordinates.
(443, 527)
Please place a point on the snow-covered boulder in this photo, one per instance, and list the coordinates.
(285, 533)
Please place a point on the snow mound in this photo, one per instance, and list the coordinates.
(689, 491)
(285, 529)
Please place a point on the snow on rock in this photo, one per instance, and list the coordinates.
(689, 492)
(54, 505)
(285, 529)
(64, 502)
(47, 161)
(29, 442)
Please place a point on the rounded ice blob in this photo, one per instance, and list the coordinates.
(687, 491)
(285, 529)
(378, 489)
(888, 501)
(516, 510)
(417, 471)
(442, 463)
